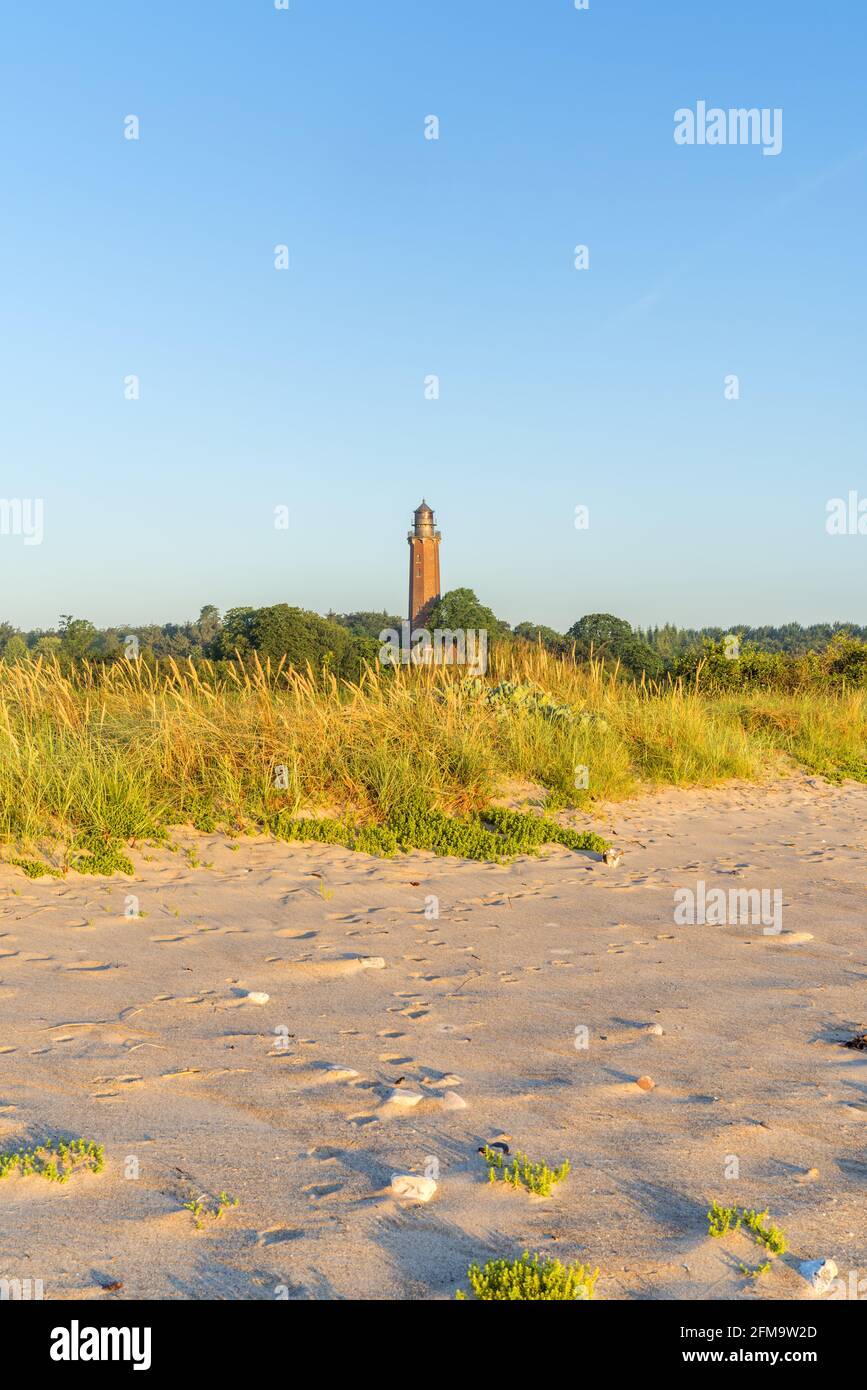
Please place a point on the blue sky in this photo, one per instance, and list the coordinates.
(409, 257)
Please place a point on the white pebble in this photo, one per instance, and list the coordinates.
(398, 1096)
(256, 996)
(408, 1185)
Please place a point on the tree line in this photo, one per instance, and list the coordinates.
(343, 643)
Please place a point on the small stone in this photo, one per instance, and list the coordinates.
(256, 996)
(339, 1073)
(398, 1096)
(452, 1101)
(372, 963)
(656, 1029)
(415, 1188)
(645, 1083)
(820, 1274)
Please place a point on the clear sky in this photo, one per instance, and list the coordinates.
(305, 388)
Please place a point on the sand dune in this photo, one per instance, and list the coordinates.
(418, 1008)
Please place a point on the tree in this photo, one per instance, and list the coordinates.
(611, 638)
(206, 628)
(459, 609)
(299, 637)
(537, 632)
(365, 624)
(76, 636)
(47, 645)
(15, 649)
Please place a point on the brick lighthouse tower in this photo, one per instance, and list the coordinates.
(424, 565)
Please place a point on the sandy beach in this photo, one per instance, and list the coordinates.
(418, 1008)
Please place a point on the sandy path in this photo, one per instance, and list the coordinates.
(135, 1032)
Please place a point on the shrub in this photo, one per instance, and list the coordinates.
(54, 1162)
(530, 1279)
(523, 1172)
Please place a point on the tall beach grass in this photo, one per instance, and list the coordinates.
(124, 752)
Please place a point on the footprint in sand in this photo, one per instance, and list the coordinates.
(332, 969)
(333, 1071)
(319, 1190)
(92, 965)
(279, 1235)
(294, 934)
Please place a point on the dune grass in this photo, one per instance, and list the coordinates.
(120, 753)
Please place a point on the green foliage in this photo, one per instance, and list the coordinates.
(15, 649)
(754, 1273)
(411, 824)
(103, 754)
(54, 1162)
(523, 1172)
(525, 697)
(545, 636)
(530, 1279)
(96, 852)
(525, 833)
(296, 637)
(670, 641)
(35, 868)
(460, 609)
(724, 1220)
(199, 1210)
(76, 636)
(771, 1237)
(714, 666)
(367, 624)
(612, 639)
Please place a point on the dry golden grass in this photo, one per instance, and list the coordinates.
(125, 751)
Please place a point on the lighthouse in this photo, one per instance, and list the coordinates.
(424, 564)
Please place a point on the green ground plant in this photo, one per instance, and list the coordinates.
(200, 1211)
(724, 1220)
(530, 1279)
(54, 1161)
(489, 835)
(35, 868)
(523, 1172)
(771, 1237)
(721, 1220)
